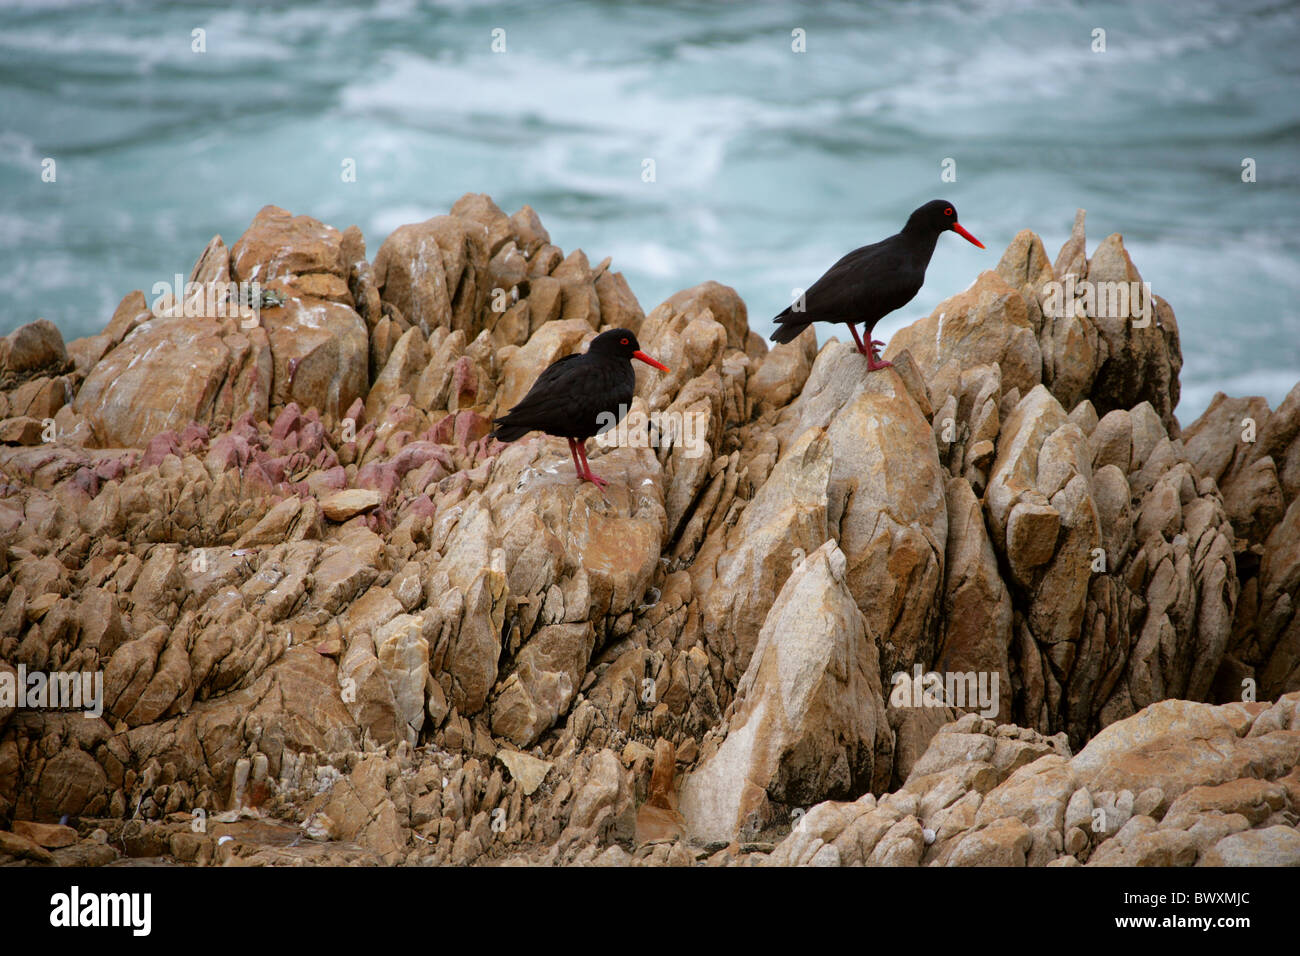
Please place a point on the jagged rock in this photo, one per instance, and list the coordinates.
(1075, 554)
(278, 244)
(781, 376)
(319, 353)
(322, 607)
(602, 802)
(343, 505)
(30, 348)
(15, 847)
(1271, 846)
(1142, 355)
(809, 719)
(742, 574)
(658, 819)
(977, 608)
(169, 372)
(529, 771)
(24, 430)
(52, 836)
(890, 521)
(1253, 454)
(407, 361)
(435, 272)
(1002, 795)
(986, 324)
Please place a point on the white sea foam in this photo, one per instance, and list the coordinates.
(769, 164)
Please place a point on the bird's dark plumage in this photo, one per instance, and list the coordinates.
(579, 395)
(870, 282)
(568, 397)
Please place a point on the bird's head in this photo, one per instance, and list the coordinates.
(623, 344)
(936, 216)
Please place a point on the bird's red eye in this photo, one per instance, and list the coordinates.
(624, 341)
(948, 211)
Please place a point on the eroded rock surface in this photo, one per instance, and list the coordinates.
(335, 622)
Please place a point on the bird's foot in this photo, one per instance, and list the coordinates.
(874, 362)
(594, 478)
(877, 344)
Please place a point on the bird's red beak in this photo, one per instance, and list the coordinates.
(642, 357)
(956, 227)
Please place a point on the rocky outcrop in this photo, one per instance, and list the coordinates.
(1253, 454)
(885, 498)
(809, 717)
(948, 613)
(1179, 784)
(1116, 550)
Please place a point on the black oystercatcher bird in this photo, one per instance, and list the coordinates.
(579, 396)
(869, 283)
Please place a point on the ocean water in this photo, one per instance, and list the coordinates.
(768, 163)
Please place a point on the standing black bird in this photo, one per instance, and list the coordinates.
(579, 396)
(869, 283)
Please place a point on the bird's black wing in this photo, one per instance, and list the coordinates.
(555, 379)
(570, 398)
(864, 285)
(552, 390)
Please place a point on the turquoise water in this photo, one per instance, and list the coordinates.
(769, 164)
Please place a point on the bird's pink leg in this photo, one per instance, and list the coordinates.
(856, 338)
(573, 453)
(874, 361)
(587, 474)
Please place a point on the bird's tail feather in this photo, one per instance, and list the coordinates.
(505, 432)
(788, 332)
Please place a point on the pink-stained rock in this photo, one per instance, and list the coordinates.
(160, 446)
(319, 354)
(170, 372)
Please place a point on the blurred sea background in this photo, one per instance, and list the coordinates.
(769, 164)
